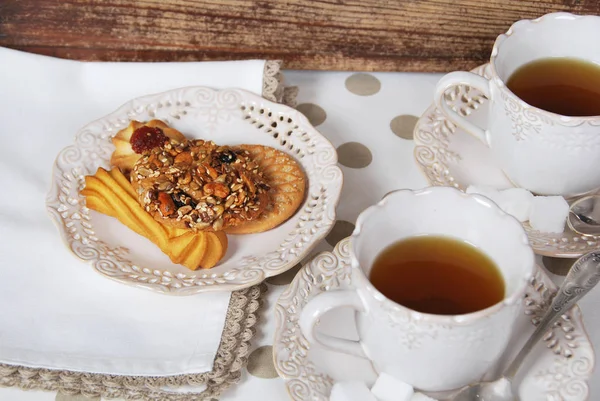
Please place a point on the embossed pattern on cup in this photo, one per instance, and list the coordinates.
(432, 352)
(435, 352)
(544, 152)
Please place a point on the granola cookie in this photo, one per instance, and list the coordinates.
(127, 151)
(287, 184)
(200, 185)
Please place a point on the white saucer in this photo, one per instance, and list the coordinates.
(451, 157)
(560, 366)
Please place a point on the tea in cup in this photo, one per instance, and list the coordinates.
(544, 104)
(439, 277)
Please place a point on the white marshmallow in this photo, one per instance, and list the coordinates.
(388, 388)
(489, 192)
(351, 391)
(549, 214)
(516, 202)
(421, 397)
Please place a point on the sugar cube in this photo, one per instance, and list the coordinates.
(421, 397)
(516, 202)
(549, 214)
(351, 391)
(491, 193)
(388, 388)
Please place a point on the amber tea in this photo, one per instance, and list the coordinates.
(566, 86)
(437, 275)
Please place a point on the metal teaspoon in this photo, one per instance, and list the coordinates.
(584, 215)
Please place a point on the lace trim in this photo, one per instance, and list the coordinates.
(231, 358)
(273, 81)
(290, 95)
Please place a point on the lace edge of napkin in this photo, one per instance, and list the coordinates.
(231, 358)
(273, 81)
(290, 95)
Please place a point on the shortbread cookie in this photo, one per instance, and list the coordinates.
(124, 156)
(287, 183)
(197, 184)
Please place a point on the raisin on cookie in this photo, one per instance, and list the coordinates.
(136, 135)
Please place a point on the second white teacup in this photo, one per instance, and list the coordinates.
(431, 352)
(544, 152)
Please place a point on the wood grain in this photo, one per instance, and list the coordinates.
(380, 35)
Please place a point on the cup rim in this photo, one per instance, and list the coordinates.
(517, 27)
(466, 318)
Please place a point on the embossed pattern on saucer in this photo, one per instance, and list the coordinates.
(562, 365)
(451, 157)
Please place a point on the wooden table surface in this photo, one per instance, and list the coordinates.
(379, 35)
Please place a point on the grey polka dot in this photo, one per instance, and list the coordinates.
(341, 230)
(404, 125)
(363, 84)
(286, 277)
(558, 266)
(260, 363)
(354, 155)
(78, 397)
(315, 114)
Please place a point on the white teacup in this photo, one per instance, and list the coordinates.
(431, 352)
(544, 152)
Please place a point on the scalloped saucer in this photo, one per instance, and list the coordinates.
(229, 116)
(559, 368)
(451, 157)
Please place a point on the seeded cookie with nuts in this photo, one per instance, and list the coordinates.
(200, 185)
(131, 141)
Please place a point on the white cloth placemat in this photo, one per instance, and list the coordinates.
(55, 311)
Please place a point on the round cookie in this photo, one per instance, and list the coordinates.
(288, 187)
(197, 184)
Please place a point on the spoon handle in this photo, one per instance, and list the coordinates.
(584, 219)
(583, 276)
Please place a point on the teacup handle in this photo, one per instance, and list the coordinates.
(321, 304)
(467, 79)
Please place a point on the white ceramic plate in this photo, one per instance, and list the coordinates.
(229, 116)
(451, 157)
(560, 369)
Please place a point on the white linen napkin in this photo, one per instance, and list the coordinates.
(55, 311)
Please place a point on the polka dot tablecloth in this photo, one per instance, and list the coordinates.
(369, 118)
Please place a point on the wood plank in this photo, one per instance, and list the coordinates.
(370, 35)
